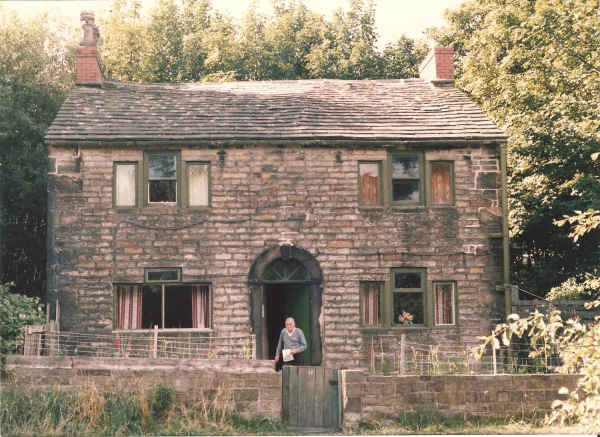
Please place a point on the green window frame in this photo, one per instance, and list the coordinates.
(409, 297)
(196, 198)
(366, 187)
(406, 176)
(118, 175)
(162, 275)
(165, 184)
(371, 304)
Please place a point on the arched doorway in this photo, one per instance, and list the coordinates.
(285, 282)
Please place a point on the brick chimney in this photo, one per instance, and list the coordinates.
(89, 70)
(438, 64)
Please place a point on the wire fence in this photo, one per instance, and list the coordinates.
(413, 358)
(139, 345)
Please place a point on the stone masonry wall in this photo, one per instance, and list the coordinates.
(250, 388)
(387, 397)
(262, 196)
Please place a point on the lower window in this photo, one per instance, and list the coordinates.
(165, 306)
(443, 294)
(408, 295)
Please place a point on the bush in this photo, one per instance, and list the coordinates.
(16, 311)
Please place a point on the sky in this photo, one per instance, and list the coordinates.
(393, 17)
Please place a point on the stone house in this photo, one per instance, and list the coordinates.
(364, 209)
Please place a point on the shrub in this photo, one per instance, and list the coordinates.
(16, 311)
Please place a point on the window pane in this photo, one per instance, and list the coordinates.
(198, 184)
(371, 303)
(128, 307)
(178, 306)
(162, 191)
(163, 275)
(125, 187)
(408, 309)
(444, 304)
(151, 306)
(369, 184)
(405, 167)
(407, 280)
(441, 190)
(162, 166)
(405, 190)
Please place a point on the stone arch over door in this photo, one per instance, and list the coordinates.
(255, 284)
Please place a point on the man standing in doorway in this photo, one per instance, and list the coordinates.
(291, 341)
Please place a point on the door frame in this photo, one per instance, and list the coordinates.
(257, 297)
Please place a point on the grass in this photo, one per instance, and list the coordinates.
(138, 409)
(122, 410)
(431, 423)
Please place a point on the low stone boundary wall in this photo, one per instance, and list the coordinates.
(249, 387)
(386, 397)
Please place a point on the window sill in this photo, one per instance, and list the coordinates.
(371, 207)
(403, 208)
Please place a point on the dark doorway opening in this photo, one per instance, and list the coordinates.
(285, 300)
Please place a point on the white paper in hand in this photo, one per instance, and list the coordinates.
(287, 355)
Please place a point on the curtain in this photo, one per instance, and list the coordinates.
(125, 185)
(370, 304)
(129, 307)
(441, 193)
(444, 304)
(198, 184)
(200, 306)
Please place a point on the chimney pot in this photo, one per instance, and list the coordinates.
(88, 61)
(438, 64)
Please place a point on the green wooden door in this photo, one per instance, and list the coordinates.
(297, 306)
(311, 398)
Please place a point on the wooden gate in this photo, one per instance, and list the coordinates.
(311, 398)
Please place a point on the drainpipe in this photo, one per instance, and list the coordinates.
(505, 242)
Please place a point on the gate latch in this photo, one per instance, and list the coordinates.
(333, 382)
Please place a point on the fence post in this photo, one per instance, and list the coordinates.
(494, 358)
(402, 346)
(155, 348)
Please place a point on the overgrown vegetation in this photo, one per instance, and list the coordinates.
(434, 423)
(533, 66)
(16, 311)
(121, 410)
(576, 345)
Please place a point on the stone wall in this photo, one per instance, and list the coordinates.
(386, 397)
(250, 388)
(263, 196)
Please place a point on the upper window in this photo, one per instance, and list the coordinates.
(198, 183)
(407, 179)
(370, 183)
(409, 296)
(442, 183)
(125, 182)
(162, 177)
(163, 305)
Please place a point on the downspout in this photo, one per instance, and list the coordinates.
(505, 241)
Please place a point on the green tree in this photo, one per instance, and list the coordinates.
(401, 60)
(36, 72)
(534, 68)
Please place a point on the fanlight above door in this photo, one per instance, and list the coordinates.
(285, 271)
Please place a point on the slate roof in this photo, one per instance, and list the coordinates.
(388, 110)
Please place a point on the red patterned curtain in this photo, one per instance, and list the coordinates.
(370, 304)
(129, 307)
(444, 304)
(201, 306)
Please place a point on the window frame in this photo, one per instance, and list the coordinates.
(162, 269)
(114, 187)
(163, 285)
(178, 178)
(187, 185)
(430, 184)
(382, 317)
(381, 196)
(454, 304)
(423, 289)
(422, 180)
